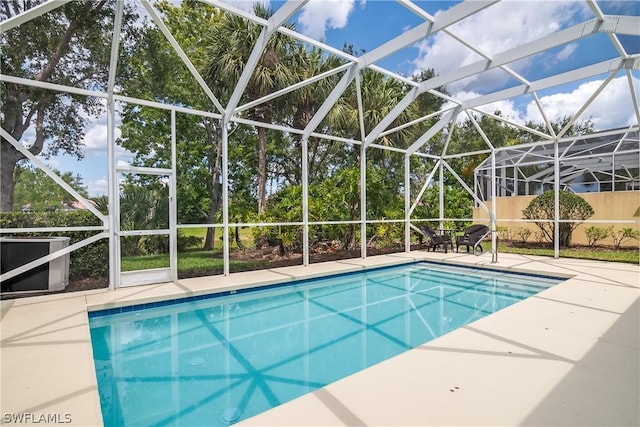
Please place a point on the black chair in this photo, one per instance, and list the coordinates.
(435, 240)
(472, 237)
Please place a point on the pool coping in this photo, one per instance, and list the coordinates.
(45, 340)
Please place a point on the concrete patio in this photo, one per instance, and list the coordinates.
(567, 356)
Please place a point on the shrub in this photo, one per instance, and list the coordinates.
(620, 236)
(188, 242)
(597, 233)
(523, 233)
(91, 261)
(572, 207)
(505, 233)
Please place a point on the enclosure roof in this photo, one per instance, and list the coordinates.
(614, 26)
(601, 152)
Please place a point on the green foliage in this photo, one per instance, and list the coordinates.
(91, 261)
(572, 207)
(188, 242)
(523, 233)
(144, 206)
(67, 46)
(457, 204)
(387, 234)
(594, 234)
(505, 233)
(37, 191)
(620, 236)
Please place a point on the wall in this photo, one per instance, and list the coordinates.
(619, 205)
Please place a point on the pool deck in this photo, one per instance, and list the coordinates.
(567, 356)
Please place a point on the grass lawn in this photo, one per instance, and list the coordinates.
(245, 235)
(600, 254)
(188, 262)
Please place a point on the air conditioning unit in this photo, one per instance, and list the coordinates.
(18, 251)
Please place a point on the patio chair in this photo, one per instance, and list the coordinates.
(472, 237)
(435, 240)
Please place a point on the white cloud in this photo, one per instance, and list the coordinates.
(319, 15)
(506, 108)
(246, 5)
(95, 139)
(612, 108)
(98, 187)
(566, 52)
(501, 27)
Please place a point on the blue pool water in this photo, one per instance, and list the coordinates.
(215, 361)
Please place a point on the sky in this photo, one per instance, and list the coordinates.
(366, 24)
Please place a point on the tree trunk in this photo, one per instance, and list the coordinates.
(237, 236)
(215, 152)
(209, 239)
(262, 171)
(10, 157)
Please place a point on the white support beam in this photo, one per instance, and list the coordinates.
(173, 202)
(409, 37)
(452, 129)
(304, 159)
(392, 115)
(407, 201)
(480, 131)
(225, 199)
(363, 173)
(113, 189)
(30, 14)
(549, 82)
(586, 104)
(411, 123)
(183, 56)
(556, 201)
(466, 187)
(52, 86)
(328, 103)
(283, 13)
(57, 254)
(514, 124)
(291, 88)
(442, 21)
(41, 165)
(634, 98)
(424, 187)
(444, 120)
(553, 40)
(228, 7)
(545, 118)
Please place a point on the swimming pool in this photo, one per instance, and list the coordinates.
(214, 361)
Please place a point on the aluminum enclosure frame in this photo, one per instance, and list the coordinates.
(611, 25)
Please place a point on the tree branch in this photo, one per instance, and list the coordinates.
(5, 4)
(63, 44)
(36, 148)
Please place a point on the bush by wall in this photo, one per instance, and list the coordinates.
(91, 261)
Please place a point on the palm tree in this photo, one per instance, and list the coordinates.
(302, 105)
(230, 43)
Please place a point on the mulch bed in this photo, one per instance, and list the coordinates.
(269, 258)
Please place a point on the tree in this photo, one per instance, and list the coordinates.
(35, 189)
(68, 46)
(229, 45)
(156, 72)
(541, 211)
